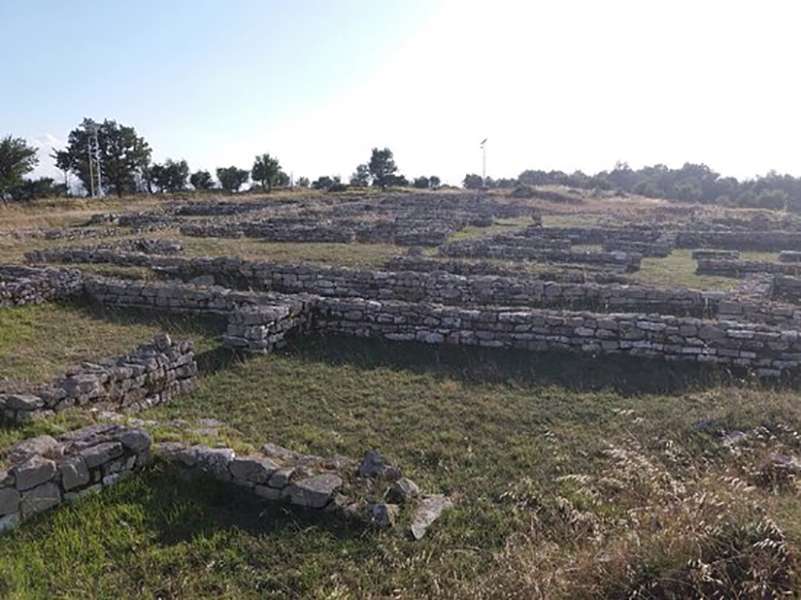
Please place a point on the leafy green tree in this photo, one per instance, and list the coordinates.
(473, 181)
(171, 176)
(361, 177)
(382, 167)
(327, 183)
(16, 160)
(31, 189)
(421, 182)
(201, 180)
(124, 156)
(303, 182)
(434, 182)
(266, 170)
(232, 178)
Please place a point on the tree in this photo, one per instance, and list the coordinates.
(171, 176)
(434, 182)
(201, 180)
(473, 181)
(361, 177)
(232, 178)
(382, 167)
(421, 182)
(303, 182)
(30, 189)
(16, 160)
(124, 156)
(325, 182)
(266, 171)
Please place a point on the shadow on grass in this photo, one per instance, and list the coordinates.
(206, 325)
(179, 509)
(626, 375)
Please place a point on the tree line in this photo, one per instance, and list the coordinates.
(690, 183)
(126, 168)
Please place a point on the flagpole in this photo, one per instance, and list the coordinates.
(484, 161)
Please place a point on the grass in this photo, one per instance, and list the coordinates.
(336, 254)
(38, 342)
(573, 477)
(509, 435)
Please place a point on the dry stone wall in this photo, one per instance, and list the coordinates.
(706, 253)
(487, 248)
(28, 285)
(150, 375)
(372, 491)
(763, 241)
(765, 349)
(41, 473)
(742, 268)
(418, 286)
(567, 273)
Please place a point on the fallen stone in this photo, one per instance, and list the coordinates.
(384, 515)
(403, 490)
(375, 465)
(9, 522)
(429, 510)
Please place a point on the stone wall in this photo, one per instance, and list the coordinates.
(707, 253)
(566, 273)
(481, 248)
(28, 285)
(765, 349)
(597, 235)
(372, 491)
(742, 268)
(257, 322)
(763, 241)
(413, 286)
(43, 472)
(150, 375)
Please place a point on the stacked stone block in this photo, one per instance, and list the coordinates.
(41, 473)
(28, 285)
(150, 375)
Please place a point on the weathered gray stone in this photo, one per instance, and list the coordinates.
(101, 453)
(383, 515)
(34, 471)
(40, 499)
(215, 461)
(43, 445)
(256, 469)
(77, 495)
(9, 500)
(428, 511)
(135, 440)
(9, 522)
(403, 490)
(74, 473)
(315, 491)
(280, 479)
(375, 465)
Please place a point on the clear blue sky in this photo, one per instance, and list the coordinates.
(575, 84)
